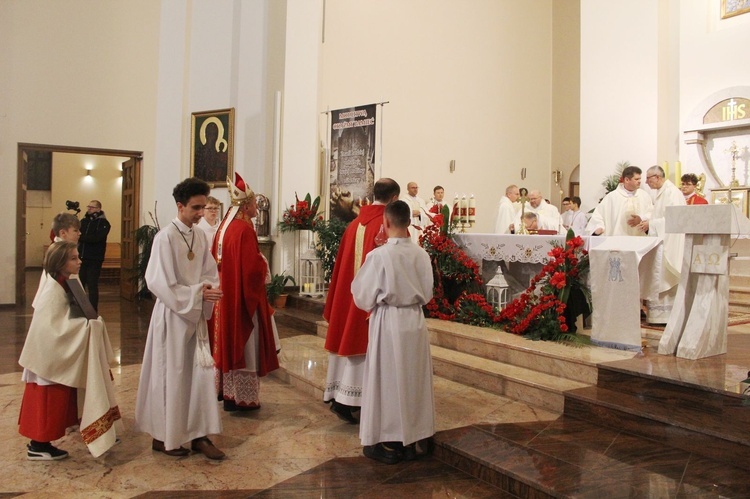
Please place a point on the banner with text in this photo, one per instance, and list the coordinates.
(352, 168)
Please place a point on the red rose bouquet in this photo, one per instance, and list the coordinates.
(302, 215)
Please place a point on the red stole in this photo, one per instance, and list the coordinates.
(242, 274)
(347, 325)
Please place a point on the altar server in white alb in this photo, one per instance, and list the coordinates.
(398, 415)
(176, 400)
(507, 210)
(664, 193)
(621, 211)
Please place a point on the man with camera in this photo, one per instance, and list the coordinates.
(91, 248)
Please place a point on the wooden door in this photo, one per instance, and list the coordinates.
(23, 171)
(131, 188)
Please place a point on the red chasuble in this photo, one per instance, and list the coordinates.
(242, 274)
(347, 325)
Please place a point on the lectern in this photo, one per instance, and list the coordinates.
(697, 327)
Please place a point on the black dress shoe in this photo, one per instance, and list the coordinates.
(380, 452)
(420, 448)
(158, 446)
(344, 412)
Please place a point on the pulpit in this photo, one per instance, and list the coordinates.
(624, 271)
(697, 326)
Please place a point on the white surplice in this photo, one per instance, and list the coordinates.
(613, 212)
(548, 216)
(176, 399)
(669, 277)
(76, 352)
(507, 212)
(397, 400)
(418, 222)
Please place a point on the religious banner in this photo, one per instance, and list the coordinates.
(352, 168)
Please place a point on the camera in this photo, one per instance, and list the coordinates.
(73, 205)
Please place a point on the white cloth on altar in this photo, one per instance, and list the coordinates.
(75, 352)
(624, 270)
(507, 212)
(397, 399)
(613, 212)
(176, 399)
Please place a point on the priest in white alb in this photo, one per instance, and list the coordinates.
(664, 193)
(547, 214)
(507, 210)
(621, 211)
(398, 412)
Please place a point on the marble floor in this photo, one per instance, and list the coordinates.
(294, 447)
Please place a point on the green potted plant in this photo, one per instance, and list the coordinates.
(275, 289)
(144, 240)
(329, 234)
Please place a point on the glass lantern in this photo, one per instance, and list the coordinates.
(311, 277)
(498, 293)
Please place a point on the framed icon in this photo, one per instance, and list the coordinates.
(212, 146)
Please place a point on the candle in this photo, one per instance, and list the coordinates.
(677, 173)
(666, 169)
(472, 209)
(464, 214)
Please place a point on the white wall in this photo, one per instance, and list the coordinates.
(619, 89)
(78, 73)
(466, 81)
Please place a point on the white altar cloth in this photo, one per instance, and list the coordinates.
(511, 247)
(624, 270)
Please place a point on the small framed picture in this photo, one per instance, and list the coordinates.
(212, 146)
(731, 8)
(739, 197)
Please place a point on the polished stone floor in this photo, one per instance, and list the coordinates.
(294, 447)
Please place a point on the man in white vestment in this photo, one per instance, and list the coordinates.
(507, 210)
(418, 207)
(621, 211)
(664, 193)
(398, 413)
(176, 400)
(548, 215)
(578, 219)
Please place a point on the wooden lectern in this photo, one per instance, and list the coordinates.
(697, 327)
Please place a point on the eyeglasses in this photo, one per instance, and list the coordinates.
(651, 176)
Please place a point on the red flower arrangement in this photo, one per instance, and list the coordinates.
(457, 280)
(302, 215)
(543, 311)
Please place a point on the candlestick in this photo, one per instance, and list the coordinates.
(472, 210)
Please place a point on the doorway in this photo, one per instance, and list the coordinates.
(128, 217)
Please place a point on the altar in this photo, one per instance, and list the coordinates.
(520, 256)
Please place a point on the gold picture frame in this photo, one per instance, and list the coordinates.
(739, 197)
(731, 8)
(212, 146)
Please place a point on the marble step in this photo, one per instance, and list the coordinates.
(578, 363)
(691, 418)
(519, 383)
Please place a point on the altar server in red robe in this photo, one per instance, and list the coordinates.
(244, 346)
(346, 340)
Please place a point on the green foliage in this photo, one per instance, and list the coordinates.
(611, 182)
(144, 240)
(329, 234)
(277, 285)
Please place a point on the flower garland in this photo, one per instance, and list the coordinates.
(543, 310)
(457, 280)
(302, 215)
